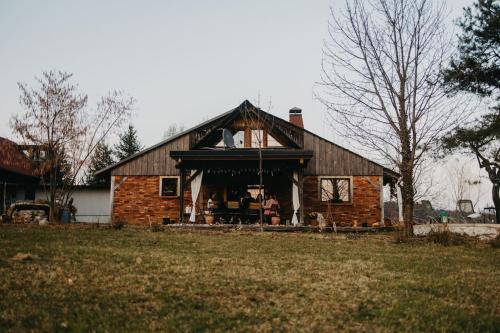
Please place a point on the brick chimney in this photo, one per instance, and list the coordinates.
(296, 117)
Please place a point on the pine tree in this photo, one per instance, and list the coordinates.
(101, 158)
(476, 69)
(476, 66)
(128, 145)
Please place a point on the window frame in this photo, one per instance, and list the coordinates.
(351, 193)
(177, 178)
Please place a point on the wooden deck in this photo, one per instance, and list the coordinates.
(274, 228)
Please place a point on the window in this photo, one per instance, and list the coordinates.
(169, 186)
(256, 136)
(254, 190)
(335, 190)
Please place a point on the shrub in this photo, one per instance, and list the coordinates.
(400, 236)
(495, 242)
(118, 224)
(155, 227)
(446, 238)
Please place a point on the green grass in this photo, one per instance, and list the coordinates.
(91, 279)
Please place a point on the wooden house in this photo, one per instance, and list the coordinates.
(305, 172)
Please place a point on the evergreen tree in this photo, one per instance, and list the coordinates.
(476, 69)
(128, 145)
(101, 158)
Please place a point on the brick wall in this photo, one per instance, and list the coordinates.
(365, 205)
(138, 197)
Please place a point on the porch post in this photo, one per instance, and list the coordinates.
(181, 196)
(382, 208)
(301, 196)
(111, 198)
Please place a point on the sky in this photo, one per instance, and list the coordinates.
(183, 61)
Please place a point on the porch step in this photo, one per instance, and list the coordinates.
(273, 228)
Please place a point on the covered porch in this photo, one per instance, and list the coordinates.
(15, 186)
(230, 173)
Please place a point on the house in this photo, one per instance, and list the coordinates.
(306, 172)
(18, 179)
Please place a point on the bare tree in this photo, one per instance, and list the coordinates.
(255, 121)
(381, 83)
(462, 183)
(172, 130)
(57, 121)
(426, 181)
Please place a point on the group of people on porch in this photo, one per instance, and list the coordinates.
(244, 206)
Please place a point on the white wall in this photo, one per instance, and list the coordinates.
(479, 230)
(92, 204)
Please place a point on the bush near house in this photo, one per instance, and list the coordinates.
(64, 278)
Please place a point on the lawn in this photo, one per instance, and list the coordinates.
(101, 279)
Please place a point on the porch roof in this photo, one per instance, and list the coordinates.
(241, 153)
(187, 158)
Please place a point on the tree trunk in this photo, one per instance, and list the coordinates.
(407, 189)
(496, 201)
(408, 196)
(408, 205)
(52, 197)
(261, 218)
(408, 216)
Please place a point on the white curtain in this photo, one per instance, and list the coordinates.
(195, 190)
(295, 198)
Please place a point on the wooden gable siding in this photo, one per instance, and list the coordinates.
(155, 162)
(328, 159)
(332, 160)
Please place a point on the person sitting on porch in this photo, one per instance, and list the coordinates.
(259, 199)
(220, 209)
(267, 208)
(275, 206)
(271, 207)
(211, 205)
(244, 205)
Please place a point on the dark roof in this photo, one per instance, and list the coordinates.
(12, 159)
(239, 153)
(164, 142)
(246, 104)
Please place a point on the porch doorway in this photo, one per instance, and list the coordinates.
(229, 186)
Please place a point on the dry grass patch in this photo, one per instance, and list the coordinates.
(101, 279)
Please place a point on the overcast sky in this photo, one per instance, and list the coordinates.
(184, 61)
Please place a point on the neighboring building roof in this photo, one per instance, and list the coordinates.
(12, 159)
(246, 104)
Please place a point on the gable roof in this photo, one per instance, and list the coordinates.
(166, 141)
(220, 119)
